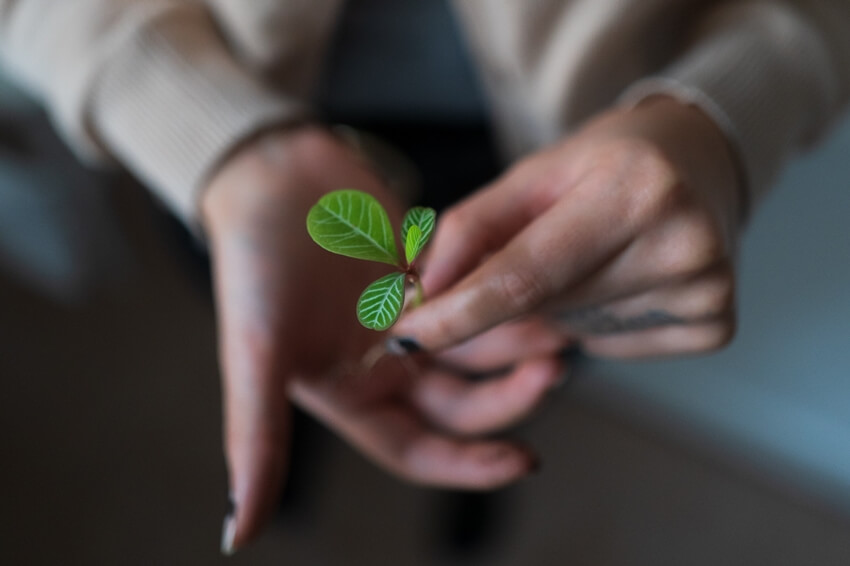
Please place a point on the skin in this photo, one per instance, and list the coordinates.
(288, 334)
(619, 238)
(622, 236)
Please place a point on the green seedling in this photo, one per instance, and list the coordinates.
(354, 224)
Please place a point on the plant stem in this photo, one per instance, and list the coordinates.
(419, 298)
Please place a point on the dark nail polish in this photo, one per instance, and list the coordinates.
(228, 530)
(534, 464)
(563, 378)
(402, 346)
(571, 352)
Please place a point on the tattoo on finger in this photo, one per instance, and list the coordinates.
(598, 321)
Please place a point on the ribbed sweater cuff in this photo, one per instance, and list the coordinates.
(172, 102)
(763, 76)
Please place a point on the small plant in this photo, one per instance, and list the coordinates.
(354, 224)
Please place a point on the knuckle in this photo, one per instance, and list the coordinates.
(452, 222)
(520, 292)
(716, 335)
(638, 155)
(447, 330)
(717, 295)
(657, 188)
(654, 166)
(695, 244)
(313, 145)
(458, 224)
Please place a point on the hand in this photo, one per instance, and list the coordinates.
(288, 331)
(623, 234)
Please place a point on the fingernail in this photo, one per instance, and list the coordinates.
(570, 356)
(562, 379)
(570, 352)
(403, 346)
(228, 531)
(534, 464)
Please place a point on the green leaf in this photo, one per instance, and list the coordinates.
(411, 246)
(380, 304)
(424, 219)
(354, 224)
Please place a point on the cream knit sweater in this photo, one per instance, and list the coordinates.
(167, 87)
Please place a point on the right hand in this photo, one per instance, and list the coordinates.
(623, 234)
(288, 331)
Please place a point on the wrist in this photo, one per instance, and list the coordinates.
(258, 169)
(700, 148)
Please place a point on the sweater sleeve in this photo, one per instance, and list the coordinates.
(772, 74)
(149, 83)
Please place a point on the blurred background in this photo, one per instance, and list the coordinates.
(110, 406)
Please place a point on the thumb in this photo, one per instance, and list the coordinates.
(256, 408)
(257, 437)
(553, 253)
(474, 228)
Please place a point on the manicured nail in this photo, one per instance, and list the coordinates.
(563, 378)
(571, 352)
(571, 355)
(534, 464)
(403, 346)
(228, 531)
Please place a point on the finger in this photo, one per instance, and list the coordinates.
(680, 249)
(257, 421)
(664, 341)
(469, 408)
(706, 297)
(393, 435)
(256, 410)
(476, 227)
(561, 247)
(504, 345)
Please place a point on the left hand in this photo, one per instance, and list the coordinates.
(623, 235)
(289, 334)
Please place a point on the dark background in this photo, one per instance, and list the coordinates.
(110, 417)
